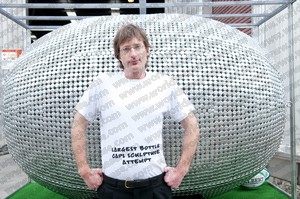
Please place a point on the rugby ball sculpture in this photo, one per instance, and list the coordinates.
(233, 84)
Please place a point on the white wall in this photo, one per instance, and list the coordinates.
(12, 36)
(184, 10)
(274, 36)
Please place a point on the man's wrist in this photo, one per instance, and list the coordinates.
(84, 170)
(182, 169)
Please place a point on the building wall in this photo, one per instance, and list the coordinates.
(234, 10)
(184, 10)
(12, 36)
(273, 35)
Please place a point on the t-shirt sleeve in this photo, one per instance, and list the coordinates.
(180, 105)
(87, 105)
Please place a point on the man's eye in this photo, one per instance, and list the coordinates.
(126, 49)
(137, 47)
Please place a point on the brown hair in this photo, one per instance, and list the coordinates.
(126, 32)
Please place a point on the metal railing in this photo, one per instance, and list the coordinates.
(142, 6)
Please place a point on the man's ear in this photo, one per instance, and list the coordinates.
(148, 51)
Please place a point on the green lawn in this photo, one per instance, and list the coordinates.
(266, 191)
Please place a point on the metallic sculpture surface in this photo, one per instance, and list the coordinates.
(234, 86)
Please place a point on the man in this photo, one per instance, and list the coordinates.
(131, 106)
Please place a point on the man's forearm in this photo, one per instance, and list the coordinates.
(79, 142)
(92, 177)
(190, 142)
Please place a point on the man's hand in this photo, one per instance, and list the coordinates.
(173, 177)
(93, 178)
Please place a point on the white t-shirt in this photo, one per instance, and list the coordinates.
(131, 116)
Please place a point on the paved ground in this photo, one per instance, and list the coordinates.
(11, 176)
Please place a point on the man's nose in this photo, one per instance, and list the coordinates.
(133, 51)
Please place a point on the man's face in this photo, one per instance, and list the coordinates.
(133, 55)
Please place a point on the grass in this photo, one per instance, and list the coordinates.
(266, 191)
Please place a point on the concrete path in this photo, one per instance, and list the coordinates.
(12, 177)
